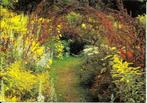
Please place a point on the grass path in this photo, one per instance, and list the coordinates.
(67, 81)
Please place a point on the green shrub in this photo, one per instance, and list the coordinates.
(73, 18)
(129, 80)
(105, 72)
(96, 71)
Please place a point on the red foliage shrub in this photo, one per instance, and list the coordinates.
(130, 35)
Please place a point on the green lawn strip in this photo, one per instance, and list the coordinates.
(67, 80)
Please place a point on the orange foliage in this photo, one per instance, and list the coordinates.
(126, 54)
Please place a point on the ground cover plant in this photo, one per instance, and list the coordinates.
(71, 51)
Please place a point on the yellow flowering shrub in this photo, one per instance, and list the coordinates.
(24, 44)
(12, 99)
(58, 49)
(5, 12)
(17, 80)
(44, 77)
(28, 49)
(21, 79)
(12, 22)
(83, 26)
(128, 80)
(142, 19)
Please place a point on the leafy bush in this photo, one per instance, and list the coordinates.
(66, 49)
(27, 50)
(96, 71)
(8, 3)
(19, 80)
(74, 18)
(129, 80)
(21, 84)
(109, 78)
(28, 45)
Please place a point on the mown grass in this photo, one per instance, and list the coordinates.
(68, 79)
(66, 61)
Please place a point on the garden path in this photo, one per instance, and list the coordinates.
(68, 80)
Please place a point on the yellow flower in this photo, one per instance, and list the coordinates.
(83, 26)
(60, 35)
(50, 61)
(113, 48)
(115, 24)
(39, 51)
(119, 26)
(41, 20)
(59, 26)
(127, 81)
